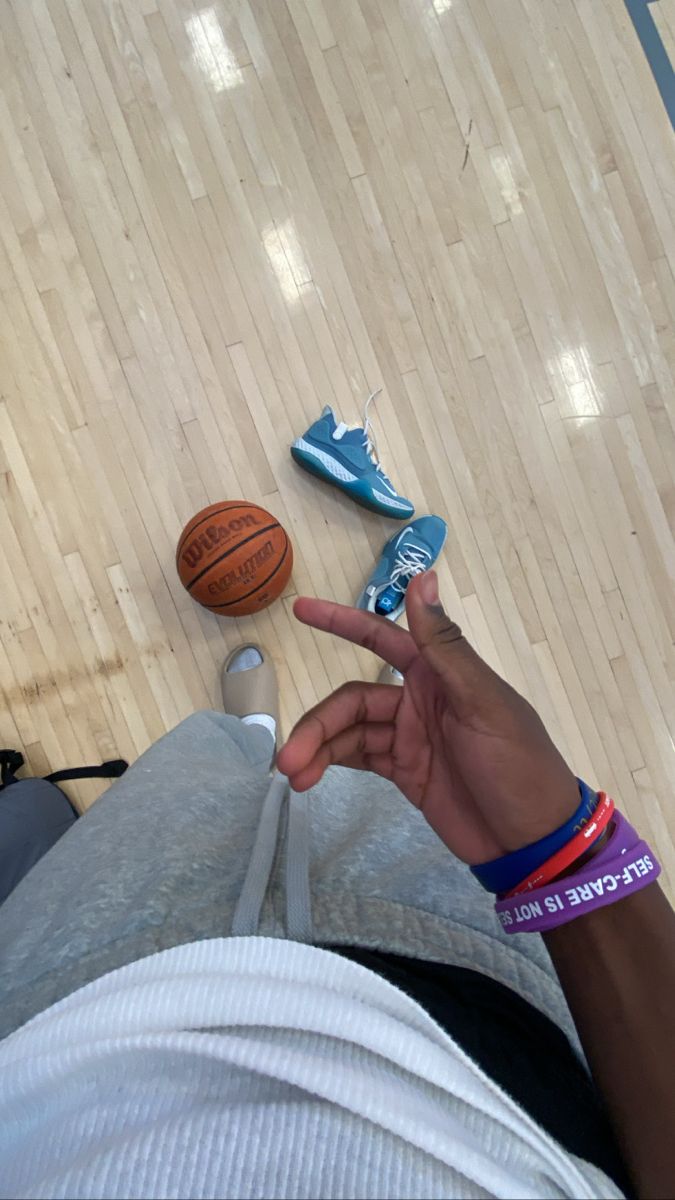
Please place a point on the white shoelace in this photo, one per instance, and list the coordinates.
(369, 433)
(407, 563)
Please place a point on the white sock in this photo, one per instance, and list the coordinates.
(265, 721)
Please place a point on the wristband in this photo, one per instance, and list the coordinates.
(502, 874)
(624, 865)
(554, 866)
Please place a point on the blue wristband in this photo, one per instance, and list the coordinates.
(501, 874)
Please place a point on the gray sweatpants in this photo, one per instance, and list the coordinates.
(164, 856)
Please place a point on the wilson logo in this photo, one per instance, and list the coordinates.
(214, 536)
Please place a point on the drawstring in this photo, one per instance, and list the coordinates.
(298, 898)
(246, 919)
(247, 913)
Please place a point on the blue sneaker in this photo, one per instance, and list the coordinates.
(348, 459)
(408, 553)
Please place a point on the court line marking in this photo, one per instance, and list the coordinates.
(655, 51)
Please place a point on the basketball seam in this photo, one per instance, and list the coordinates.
(226, 508)
(258, 533)
(240, 600)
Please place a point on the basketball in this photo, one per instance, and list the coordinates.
(234, 558)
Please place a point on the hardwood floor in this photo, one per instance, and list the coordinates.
(214, 219)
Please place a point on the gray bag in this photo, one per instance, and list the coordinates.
(35, 813)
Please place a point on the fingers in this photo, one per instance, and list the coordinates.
(366, 747)
(429, 625)
(441, 643)
(375, 633)
(351, 705)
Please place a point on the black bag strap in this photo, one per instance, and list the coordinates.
(107, 770)
(11, 761)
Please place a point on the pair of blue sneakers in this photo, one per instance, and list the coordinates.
(348, 459)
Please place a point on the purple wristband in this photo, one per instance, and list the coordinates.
(624, 865)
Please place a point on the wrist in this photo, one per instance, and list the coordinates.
(502, 874)
(590, 854)
(550, 804)
(618, 922)
(624, 866)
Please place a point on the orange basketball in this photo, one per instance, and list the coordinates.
(234, 558)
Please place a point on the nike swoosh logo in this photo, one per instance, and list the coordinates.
(405, 532)
(392, 491)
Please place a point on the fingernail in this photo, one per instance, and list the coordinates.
(429, 588)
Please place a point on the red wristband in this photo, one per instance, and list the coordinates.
(574, 849)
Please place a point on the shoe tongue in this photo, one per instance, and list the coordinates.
(353, 437)
(387, 601)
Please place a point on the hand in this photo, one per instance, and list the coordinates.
(459, 742)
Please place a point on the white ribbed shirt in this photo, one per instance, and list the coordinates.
(255, 1067)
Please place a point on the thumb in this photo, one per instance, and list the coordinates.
(438, 638)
